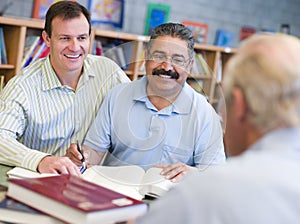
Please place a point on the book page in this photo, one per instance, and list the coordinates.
(123, 179)
(19, 172)
(155, 184)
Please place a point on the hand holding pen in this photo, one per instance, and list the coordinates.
(84, 166)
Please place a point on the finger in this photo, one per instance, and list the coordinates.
(160, 166)
(62, 170)
(178, 176)
(169, 168)
(174, 170)
(74, 170)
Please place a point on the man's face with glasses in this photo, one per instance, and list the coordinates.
(168, 63)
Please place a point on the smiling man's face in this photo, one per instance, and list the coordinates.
(175, 51)
(69, 44)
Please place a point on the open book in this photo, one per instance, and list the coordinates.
(131, 180)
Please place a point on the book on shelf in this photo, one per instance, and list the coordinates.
(2, 78)
(75, 200)
(3, 55)
(130, 180)
(200, 66)
(98, 48)
(197, 85)
(31, 44)
(45, 52)
(38, 51)
(12, 211)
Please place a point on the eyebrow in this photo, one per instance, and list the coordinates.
(162, 52)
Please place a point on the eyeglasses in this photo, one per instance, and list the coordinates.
(174, 60)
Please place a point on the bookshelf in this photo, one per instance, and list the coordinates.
(17, 29)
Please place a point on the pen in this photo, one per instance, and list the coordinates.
(83, 167)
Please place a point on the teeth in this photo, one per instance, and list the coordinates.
(72, 56)
(165, 76)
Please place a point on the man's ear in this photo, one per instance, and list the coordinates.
(46, 38)
(240, 104)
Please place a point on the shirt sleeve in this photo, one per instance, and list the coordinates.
(13, 107)
(210, 147)
(99, 134)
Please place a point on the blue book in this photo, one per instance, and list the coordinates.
(2, 47)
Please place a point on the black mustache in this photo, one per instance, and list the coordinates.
(174, 75)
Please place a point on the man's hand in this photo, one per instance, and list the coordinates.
(92, 157)
(58, 165)
(74, 155)
(175, 171)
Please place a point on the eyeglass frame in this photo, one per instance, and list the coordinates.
(168, 59)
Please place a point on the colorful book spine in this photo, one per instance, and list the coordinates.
(2, 47)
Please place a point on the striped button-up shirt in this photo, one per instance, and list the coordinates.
(39, 116)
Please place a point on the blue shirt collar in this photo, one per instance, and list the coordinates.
(182, 105)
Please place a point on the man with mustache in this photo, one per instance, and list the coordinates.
(159, 120)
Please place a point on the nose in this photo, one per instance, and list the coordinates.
(167, 64)
(74, 44)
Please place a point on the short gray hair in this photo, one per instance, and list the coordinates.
(267, 70)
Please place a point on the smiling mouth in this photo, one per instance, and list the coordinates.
(72, 56)
(165, 74)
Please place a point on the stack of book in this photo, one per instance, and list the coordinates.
(71, 199)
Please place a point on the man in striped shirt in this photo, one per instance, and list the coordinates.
(53, 101)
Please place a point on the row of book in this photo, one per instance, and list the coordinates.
(200, 66)
(35, 48)
(120, 52)
(3, 55)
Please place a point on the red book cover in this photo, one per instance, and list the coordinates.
(83, 201)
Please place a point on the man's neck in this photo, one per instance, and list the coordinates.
(160, 100)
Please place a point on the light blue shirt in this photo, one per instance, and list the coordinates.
(260, 186)
(136, 133)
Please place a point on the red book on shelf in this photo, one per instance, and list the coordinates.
(75, 200)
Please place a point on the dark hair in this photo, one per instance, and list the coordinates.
(174, 30)
(67, 10)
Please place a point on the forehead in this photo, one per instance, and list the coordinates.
(72, 26)
(170, 45)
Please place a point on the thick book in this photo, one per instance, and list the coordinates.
(75, 200)
(130, 180)
(13, 211)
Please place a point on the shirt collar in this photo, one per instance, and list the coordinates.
(182, 104)
(273, 140)
(51, 81)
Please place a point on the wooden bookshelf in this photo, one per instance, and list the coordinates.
(16, 30)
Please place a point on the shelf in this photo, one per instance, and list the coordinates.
(32, 23)
(120, 35)
(6, 66)
(16, 30)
